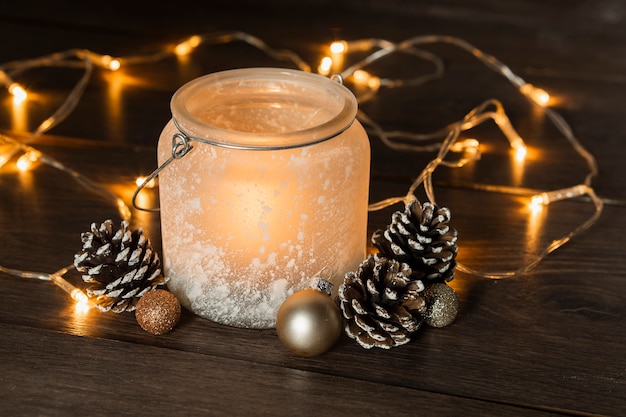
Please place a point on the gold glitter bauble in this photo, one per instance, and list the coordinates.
(443, 305)
(158, 311)
(309, 322)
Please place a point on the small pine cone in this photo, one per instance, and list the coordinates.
(421, 237)
(121, 266)
(381, 303)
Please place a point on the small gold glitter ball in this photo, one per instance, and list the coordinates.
(443, 305)
(158, 312)
(309, 322)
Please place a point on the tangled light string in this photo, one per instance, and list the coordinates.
(444, 140)
(475, 117)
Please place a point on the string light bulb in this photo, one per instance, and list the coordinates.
(115, 64)
(82, 307)
(545, 198)
(18, 93)
(468, 146)
(325, 65)
(538, 95)
(141, 180)
(338, 47)
(185, 47)
(26, 161)
(365, 79)
(82, 301)
(105, 61)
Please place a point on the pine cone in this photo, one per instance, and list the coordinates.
(121, 266)
(381, 303)
(421, 237)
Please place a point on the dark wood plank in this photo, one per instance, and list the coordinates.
(58, 374)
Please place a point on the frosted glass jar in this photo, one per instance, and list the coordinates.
(274, 189)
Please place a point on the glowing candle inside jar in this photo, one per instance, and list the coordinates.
(279, 193)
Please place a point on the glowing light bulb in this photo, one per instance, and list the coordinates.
(338, 47)
(536, 203)
(182, 49)
(79, 296)
(325, 65)
(81, 308)
(361, 77)
(82, 301)
(25, 161)
(365, 79)
(109, 62)
(520, 152)
(469, 147)
(538, 95)
(150, 184)
(23, 164)
(187, 46)
(18, 93)
(373, 83)
(545, 198)
(194, 41)
(115, 64)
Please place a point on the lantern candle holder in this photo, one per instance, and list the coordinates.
(266, 183)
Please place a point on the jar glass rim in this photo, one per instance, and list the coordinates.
(338, 99)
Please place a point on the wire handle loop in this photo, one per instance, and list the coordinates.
(180, 148)
(180, 145)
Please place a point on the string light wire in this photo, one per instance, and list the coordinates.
(475, 117)
(56, 278)
(443, 140)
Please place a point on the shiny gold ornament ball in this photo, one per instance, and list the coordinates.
(158, 312)
(443, 305)
(309, 322)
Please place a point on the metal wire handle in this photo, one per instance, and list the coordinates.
(180, 148)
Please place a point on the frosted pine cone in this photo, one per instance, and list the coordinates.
(381, 303)
(421, 237)
(121, 266)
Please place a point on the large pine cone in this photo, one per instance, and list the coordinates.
(381, 303)
(120, 266)
(421, 237)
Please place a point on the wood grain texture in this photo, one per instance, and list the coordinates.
(101, 377)
(549, 342)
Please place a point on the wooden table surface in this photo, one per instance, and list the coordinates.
(547, 342)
